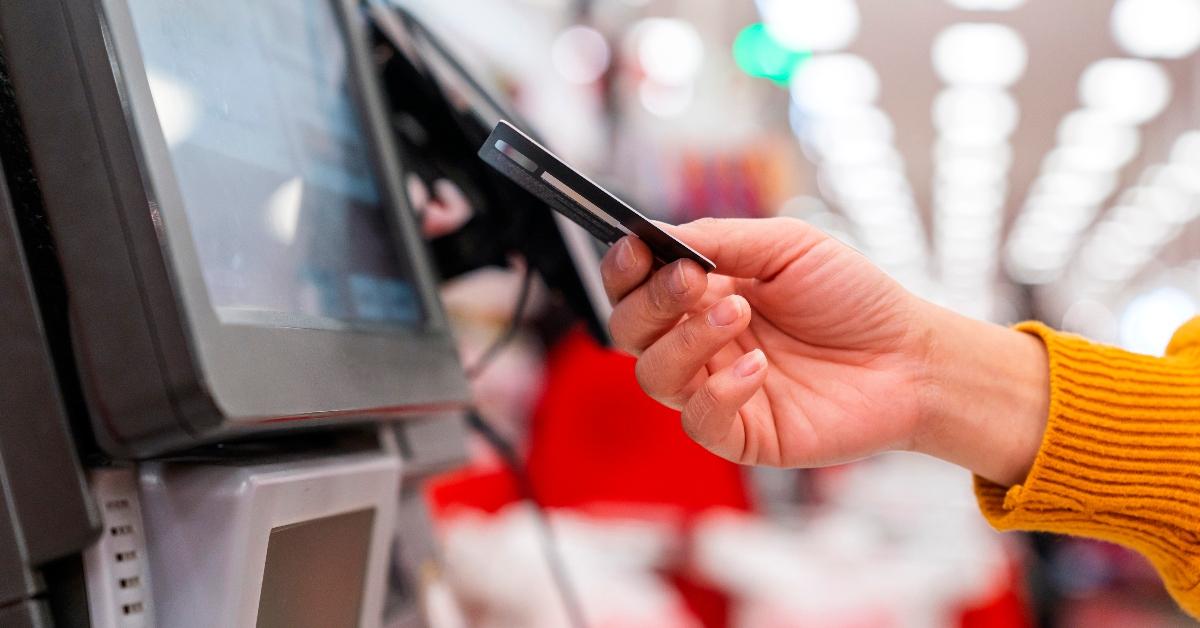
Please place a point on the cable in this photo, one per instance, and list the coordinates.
(510, 333)
(549, 541)
(508, 453)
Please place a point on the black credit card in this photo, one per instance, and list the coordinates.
(605, 216)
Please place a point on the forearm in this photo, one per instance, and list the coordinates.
(985, 397)
(1112, 456)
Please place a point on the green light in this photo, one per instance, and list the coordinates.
(759, 55)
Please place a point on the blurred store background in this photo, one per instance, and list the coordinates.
(1010, 159)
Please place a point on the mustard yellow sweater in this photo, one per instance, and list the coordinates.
(1120, 460)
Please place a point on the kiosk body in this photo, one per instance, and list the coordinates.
(230, 292)
(224, 202)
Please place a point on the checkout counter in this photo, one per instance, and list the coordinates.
(226, 366)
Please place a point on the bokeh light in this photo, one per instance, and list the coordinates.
(986, 5)
(971, 53)
(1152, 317)
(1132, 91)
(811, 25)
(1168, 29)
(833, 82)
(580, 54)
(670, 50)
(759, 55)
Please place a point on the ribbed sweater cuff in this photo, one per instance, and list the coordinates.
(1120, 459)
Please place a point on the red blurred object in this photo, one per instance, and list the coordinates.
(1005, 609)
(597, 439)
(599, 444)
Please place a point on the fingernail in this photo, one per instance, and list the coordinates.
(725, 312)
(677, 281)
(625, 258)
(750, 363)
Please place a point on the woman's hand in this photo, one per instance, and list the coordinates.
(802, 353)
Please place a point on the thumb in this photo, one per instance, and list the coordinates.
(749, 247)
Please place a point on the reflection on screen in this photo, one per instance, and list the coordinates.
(254, 101)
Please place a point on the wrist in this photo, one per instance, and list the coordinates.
(984, 398)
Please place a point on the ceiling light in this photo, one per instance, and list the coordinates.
(1094, 131)
(862, 153)
(1168, 29)
(1080, 159)
(1186, 149)
(1030, 263)
(1075, 187)
(869, 183)
(972, 171)
(949, 194)
(866, 123)
(889, 239)
(946, 149)
(827, 84)
(979, 54)
(978, 229)
(670, 50)
(987, 5)
(665, 101)
(1056, 217)
(1177, 176)
(580, 54)
(1092, 319)
(1167, 204)
(975, 115)
(1130, 90)
(1150, 319)
(1139, 227)
(881, 214)
(811, 25)
(1107, 263)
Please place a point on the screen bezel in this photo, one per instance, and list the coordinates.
(253, 373)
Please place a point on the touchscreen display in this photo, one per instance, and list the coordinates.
(315, 572)
(266, 141)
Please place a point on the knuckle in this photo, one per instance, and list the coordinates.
(690, 423)
(658, 302)
(643, 372)
(705, 399)
(688, 336)
(695, 413)
(622, 336)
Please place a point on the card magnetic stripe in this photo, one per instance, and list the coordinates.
(546, 193)
(658, 240)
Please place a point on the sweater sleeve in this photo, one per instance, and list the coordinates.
(1120, 459)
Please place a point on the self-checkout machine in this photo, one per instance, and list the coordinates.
(214, 290)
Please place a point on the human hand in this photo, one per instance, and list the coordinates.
(801, 352)
(441, 213)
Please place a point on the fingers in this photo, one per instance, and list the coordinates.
(668, 369)
(418, 193)
(749, 247)
(448, 213)
(710, 416)
(654, 307)
(625, 267)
